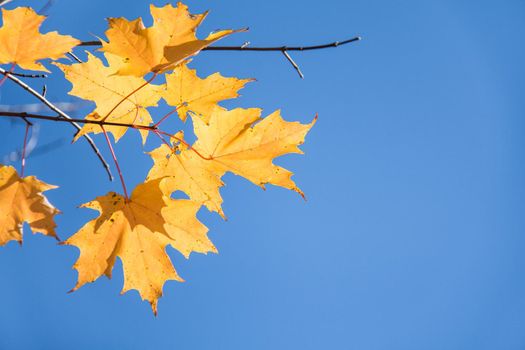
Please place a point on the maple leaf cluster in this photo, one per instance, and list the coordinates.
(122, 81)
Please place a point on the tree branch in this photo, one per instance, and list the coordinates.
(24, 75)
(74, 57)
(62, 115)
(254, 48)
(23, 115)
(292, 62)
(245, 47)
(102, 122)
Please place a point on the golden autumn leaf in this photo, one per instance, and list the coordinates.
(94, 81)
(186, 91)
(137, 231)
(21, 200)
(237, 141)
(21, 42)
(170, 40)
(189, 173)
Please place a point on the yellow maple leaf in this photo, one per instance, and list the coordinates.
(170, 40)
(186, 91)
(189, 173)
(237, 141)
(137, 231)
(94, 81)
(21, 199)
(21, 43)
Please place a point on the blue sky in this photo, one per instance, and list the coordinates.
(413, 232)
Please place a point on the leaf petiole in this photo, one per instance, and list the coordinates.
(129, 95)
(116, 162)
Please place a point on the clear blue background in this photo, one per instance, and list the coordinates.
(414, 229)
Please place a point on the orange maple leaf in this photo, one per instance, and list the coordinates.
(94, 81)
(238, 141)
(137, 231)
(21, 43)
(189, 93)
(21, 199)
(170, 40)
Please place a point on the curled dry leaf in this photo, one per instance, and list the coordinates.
(169, 41)
(137, 231)
(21, 200)
(21, 43)
(238, 141)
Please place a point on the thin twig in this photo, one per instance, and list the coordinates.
(24, 75)
(255, 48)
(185, 144)
(245, 47)
(4, 2)
(162, 139)
(72, 120)
(75, 57)
(27, 121)
(103, 123)
(289, 58)
(61, 114)
(166, 116)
